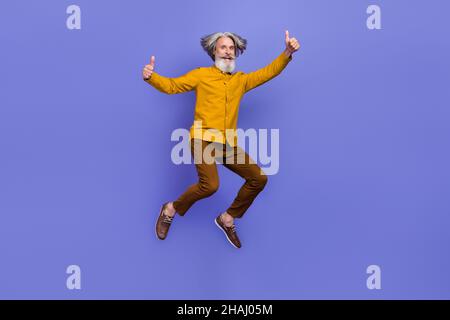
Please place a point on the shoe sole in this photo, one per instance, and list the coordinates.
(156, 233)
(226, 236)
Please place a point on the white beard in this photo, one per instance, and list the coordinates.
(225, 65)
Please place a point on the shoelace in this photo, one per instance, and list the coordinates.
(233, 227)
(167, 219)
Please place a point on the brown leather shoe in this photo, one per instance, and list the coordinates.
(163, 223)
(230, 232)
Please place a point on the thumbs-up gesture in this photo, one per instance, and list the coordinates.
(148, 69)
(292, 44)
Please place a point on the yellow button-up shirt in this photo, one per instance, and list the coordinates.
(218, 95)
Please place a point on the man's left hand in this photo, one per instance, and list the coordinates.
(292, 44)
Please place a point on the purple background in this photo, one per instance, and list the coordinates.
(364, 153)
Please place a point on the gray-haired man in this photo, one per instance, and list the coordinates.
(218, 91)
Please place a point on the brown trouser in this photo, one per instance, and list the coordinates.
(233, 158)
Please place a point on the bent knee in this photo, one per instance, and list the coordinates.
(210, 187)
(262, 180)
(259, 181)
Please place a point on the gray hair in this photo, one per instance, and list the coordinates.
(208, 42)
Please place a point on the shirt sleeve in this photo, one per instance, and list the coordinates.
(259, 77)
(184, 83)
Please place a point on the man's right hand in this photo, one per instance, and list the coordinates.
(148, 69)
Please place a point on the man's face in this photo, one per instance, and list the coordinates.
(224, 48)
(225, 54)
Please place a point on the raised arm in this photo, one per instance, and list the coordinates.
(184, 83)
(259, 77)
